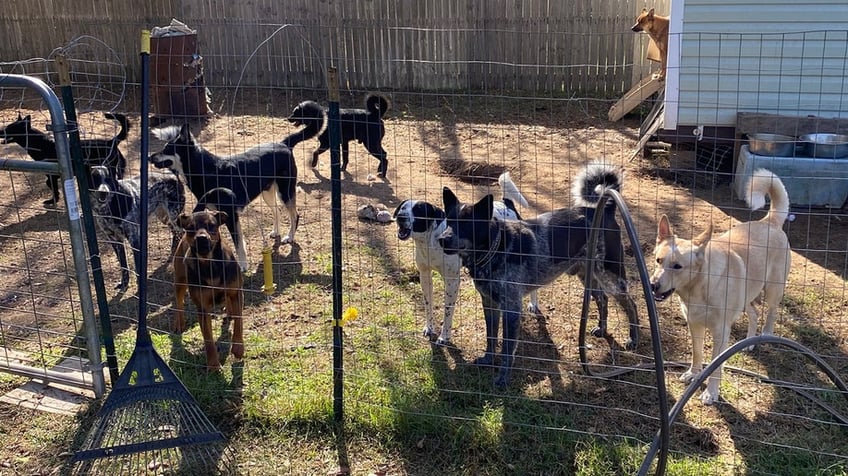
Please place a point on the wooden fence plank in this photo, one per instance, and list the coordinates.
(494, 45)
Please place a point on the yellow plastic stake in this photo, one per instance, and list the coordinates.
(145, 41)
(268, 272)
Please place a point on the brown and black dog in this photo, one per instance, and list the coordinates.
(208, 270)
(656, 27)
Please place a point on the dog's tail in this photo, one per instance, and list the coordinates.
(311, 115)
(589, 185)
(765, 183)
(222, 199)
(377, 104)
(122, 120)
(510, 190)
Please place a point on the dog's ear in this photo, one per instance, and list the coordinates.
(222, 217)
(449, 199)
(394, 215)
(664, 230)
(184, 220)
(651, 14)
(704, 237)
(485, 208)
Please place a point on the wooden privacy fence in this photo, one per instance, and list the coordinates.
(547, 47)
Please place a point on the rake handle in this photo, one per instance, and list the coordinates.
(143, 335)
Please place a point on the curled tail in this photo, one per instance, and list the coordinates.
(510, 190)
(122, 120)
(309, 114)
(765, 183)
(589, 184)
(376, 104)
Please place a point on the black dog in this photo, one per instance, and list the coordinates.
(267, 169)
(508, 259)
(40, 146)
(117, 204)
(363, 125)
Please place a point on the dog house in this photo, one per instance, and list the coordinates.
(773, 57)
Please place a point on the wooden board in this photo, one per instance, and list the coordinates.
(646, 88)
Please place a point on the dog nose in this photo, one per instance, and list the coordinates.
(203, 243)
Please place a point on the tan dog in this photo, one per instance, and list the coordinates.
(656, 26)
(717, 279)
(208, 270)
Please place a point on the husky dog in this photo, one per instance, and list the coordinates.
(508, 259)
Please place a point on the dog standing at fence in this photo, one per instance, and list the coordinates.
(207, 269)
(424, 222)
(117, 205)
(508, 259)
(717, 278)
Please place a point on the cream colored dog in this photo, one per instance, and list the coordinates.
(718, 278)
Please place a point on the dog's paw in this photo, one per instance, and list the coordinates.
(533, 308)
(631, 344)
(708, 397)
(443, 341)
(599, 333)
(286, 239)
(485, 361)
(688, 376)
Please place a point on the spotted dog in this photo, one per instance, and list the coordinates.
(117, 204)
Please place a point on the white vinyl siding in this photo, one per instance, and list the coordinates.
(779, 57)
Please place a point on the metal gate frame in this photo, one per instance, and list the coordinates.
(64, 169)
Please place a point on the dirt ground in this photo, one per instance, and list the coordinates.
(433, 141)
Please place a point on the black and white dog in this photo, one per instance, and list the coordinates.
(117, 204)
(508, 259)
(363, 125)
(424, 223)
(267, 169)
(40, 146)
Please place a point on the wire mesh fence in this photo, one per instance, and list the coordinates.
(473, 91)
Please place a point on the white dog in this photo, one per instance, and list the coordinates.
(424, 222)
(718, 278)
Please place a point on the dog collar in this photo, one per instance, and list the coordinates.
(492, 249)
